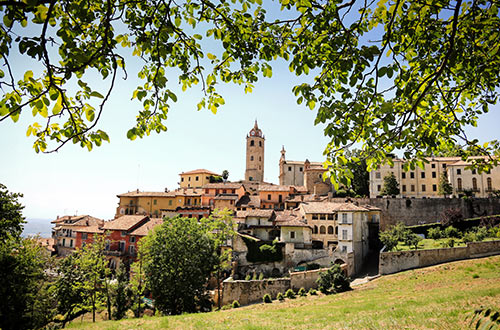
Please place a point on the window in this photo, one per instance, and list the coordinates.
(107, 246)
(444, 165)
(280, 199)
(315, 229)
(289, 168)
(434, 187)
(260, 143)
(474, 183)
(322, 230)
(292, 235)
(330, 230)
(170, 202)
(433, 165)
(422, 175)
(70, 243)
(154, 201)
(433, 175)
(124, 233)
(300, 169)
(473, 171)
(132, 239)
(182, 179)
(252, 143)
(336, 230)
(260, 159)
(196, 179)
(322, 216)
(404, 188)
(268, 197)
(64, 242)
(423, 187)
(224, 191)
(403, 175)
(344, 248)
(121, 246)
(330, 216)
(377, 175)
(131, 249)
(344, 217)
(315, 217)
(250, 178)
(459, 171)
(412, 187)
(412, 175)
(84, 236)
(488, 182)
(459, 184)
(189, 178)
(378, 187)
(251, 158)
(344, 234)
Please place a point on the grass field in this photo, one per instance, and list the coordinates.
(438, 297)
(436, 243)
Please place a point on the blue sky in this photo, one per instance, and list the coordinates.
(77, 181)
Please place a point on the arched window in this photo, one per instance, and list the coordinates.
(260, 143)
(488, 182)
(252, 143)
(474, 183)
(459, 184)
(330, 230)
(315, 229)
(251, 157)
(322, 230)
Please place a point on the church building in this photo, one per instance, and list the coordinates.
(255, 155)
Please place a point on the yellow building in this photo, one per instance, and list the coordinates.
(146, 203)
(425, 182)
(196, 178)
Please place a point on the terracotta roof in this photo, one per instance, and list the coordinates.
(249, 201)
(47, 243)
(226, 197)
(289, 218)
(274, 188)
(328, 207)
(258, 213)
(199, 171)
(223, 185)
(295, 162)
(300, 189)
(125, 222)
(90, 229)
(145, 228)
(189, 192)
(306, 198)
(68, 217)
(137, 193)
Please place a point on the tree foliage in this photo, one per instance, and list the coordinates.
(11, 218)
(399, 233)
(391, 185)
(333, 280)
(394, 75)
(178, 258)
(444, 188)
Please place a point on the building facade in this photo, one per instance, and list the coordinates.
(196, 178)
(255, 155)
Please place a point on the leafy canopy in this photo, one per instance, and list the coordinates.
(391, 185)
(395, 75)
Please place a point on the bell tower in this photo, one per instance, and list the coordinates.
(255, 155)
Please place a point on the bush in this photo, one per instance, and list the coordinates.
(248, 277)
(235, 304)
(302, 292)
(267, 298)
(469, 237)
(280, 296)
(261, 276)
(434, 233)
(481, 233)
(341, 193)
(312, 292)
(450, 242)
(451, 232)
(259, 251)
(333, 281)
(226, 307)
(254, 277)
(451, 216)
(290, 294)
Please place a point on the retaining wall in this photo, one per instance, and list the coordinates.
(392, 262)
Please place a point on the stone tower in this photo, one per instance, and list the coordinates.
(255, 155)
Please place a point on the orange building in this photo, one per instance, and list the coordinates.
(221, 195)
(274, 196)
(196, 178)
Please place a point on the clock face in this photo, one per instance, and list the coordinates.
(252, 133)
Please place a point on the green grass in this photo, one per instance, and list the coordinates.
(438, 297)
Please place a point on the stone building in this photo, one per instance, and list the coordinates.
(464, 179)
(255, 155)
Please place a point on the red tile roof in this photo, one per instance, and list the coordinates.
(147, 227)
(274, 188)
(199, 171)
(125, 222)
(137, 193)
(328, 207)
(223, 185)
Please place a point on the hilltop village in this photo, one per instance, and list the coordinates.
(301, 215)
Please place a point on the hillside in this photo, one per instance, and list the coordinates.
(439, 297)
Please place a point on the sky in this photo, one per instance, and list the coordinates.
(75, 181)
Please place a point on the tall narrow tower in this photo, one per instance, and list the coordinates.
(255, 155)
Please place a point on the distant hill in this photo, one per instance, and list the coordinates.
(41, 227)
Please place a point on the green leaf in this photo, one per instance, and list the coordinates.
(96, 94)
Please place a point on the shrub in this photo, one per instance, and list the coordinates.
(312, 292)
(267, 298)
(481, 233)
(280, 296)
(434, 233)
(341, 193)
(333, 281)
(254, 277)
(450, 242)
(261, 276)
(451, 232)
(248, 277)
(290, 294)
(235, 304)
(469, 237)
(259, 251)
(302, 292)
(226, 307)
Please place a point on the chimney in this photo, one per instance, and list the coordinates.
(137, 190)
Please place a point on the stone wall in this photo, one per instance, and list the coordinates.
(247, 292)
(306, 279)
(417, 211)
(392, 262)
